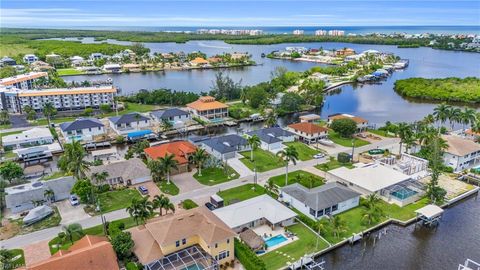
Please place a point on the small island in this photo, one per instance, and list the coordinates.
(446, 89)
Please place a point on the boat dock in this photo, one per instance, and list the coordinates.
(307, 262)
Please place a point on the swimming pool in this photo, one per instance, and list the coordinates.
(193, 267)
(403, 193)
(275, 240)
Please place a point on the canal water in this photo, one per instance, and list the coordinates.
(455, 239)
(376, 102)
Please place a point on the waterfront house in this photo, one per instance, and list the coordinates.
(362, 124)
(90, 252)
(40, 66)
(308, 132)
(37, 154)
(7, 61)
(225, 147)
(129, 123)
(199, 62)
(344, 52)
(112, 68)
(30, 58)
(182, 150)
(125, 172)
(53, 58)
(309, 118)
(461, 154)
(239, 55)
(28, 138)
(193, 237)
(22, 197)
(77, 61)
(178, 118)
(255, 212)
(82, 129)
(23, 81)
(208, 109)
(272, 139)
(326, 200)
(96, 56)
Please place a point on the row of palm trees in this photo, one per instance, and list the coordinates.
(454, 115)
(142, 209)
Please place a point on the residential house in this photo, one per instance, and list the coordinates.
(309, 118)
(362, 124)
(208, 109)
(22, 197)
(325, 200)
(82, 129)
(91, 252)
(77, 61)
(225, 147)
(239, 55)
(7, 61)
(272, 139)
(112, 68)
(199, 62)
(40, 66)
(181, 150)
(308, 132)
(53, 59)
(461, 154)
(37, 154)
(178, 118)
(345, 52)
(255, 212)
(126, 172)
(28, 138)
(194, 237)
(30, 58)
(96, 56)
(129, 123)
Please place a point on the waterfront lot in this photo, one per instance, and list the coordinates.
(241, 193)
(304, 178)
(264, 160)
(452, 186)
(304, 151)
(118, 199)
(347, 142)
(306, 243)
(214, 176)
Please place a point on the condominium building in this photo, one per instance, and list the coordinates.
(320, 33)
(336, 33)
(298, 32)
(23, 81)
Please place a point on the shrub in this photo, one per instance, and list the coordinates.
(247, 257)
(189, 204)
(133, 266)
(105, 108)
(345, 127)
(343, 157)
(122, 244)
(103, 188)
(88, 112)
(120, 139)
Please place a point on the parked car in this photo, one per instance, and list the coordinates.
(143, 190)
(210, 206)
(74, 200)
(320, 155)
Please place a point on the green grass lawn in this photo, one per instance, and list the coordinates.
(69, 71)
(304, 151)
(3, 134)
(189, 204)
(10, 154)
(54, 175)
(347, 142)
(382, 133)
(333, 164)
(307, 243)
(170, 189)
(264, 160)
(302, 177)
(214, 176)
(241, 193)
(118, 199)
(18, 262)
(5, 126)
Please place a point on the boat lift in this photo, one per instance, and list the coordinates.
(429, 215)
(307, 262)
(469, 265)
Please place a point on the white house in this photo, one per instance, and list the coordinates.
(272, 139)
(309, 118)
(129, 123)
(112, 68)
(28, 138)
(96, 56)
(328, 199)
(77, 61)
(255, 212)
(362, 124)
(178, 118)
(308, 132)
(462, 154)
(82, 129)
(225, 147)
(30, 58)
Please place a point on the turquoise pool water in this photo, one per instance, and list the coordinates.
(273, 241)
(193, 267)
(403, 193)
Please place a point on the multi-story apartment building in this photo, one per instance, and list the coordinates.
(24, 81)
(298, 32)
(320, 33)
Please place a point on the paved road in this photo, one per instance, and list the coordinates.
(199, 194)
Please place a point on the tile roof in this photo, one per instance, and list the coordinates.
(22, 78)
(357, 119)
(90, 252)
(158, 233)
(206, 103)
(199, 60)
(128, 118)
(81, 123)
(66, 91)
(181, 149)
(308, 128)
(133, 168)
(165, 114)
(320, 197)
(226, 144)
(271, 135)
(459, 146)
(471, 132)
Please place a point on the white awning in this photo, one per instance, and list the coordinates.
(430, 211)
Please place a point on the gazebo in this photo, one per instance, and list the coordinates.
(253, 240)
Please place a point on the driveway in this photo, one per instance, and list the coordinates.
(69, 213)
(36, 252)
(239, 167)
(186, 182)
(153, 189)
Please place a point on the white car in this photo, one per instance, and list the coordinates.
(74, 200)
(317, 156)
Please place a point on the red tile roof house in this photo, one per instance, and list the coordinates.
(362, 124)
(308, 132)
(181, 149)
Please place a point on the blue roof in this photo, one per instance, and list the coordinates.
(128, 118)
(226, 144)
(271, 135)
(81, 123)
(139, 133)
(165, 114)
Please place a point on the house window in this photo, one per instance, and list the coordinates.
(327, 211)
(223, 254)
(216, 245)
(320, 213)
(177, 243)
(184, 241)
(335, 207)
(312, 212)
(228, 241)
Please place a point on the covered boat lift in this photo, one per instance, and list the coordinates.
(429, 215)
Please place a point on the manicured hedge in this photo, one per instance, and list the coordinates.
(247, 257)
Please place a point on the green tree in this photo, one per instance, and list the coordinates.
(434, 192)
(225, 88)
(84, 190)
(10, 171)
(4, 117)
(72, 160)
(312, 91)
(338, 226)
(405, 133)
(467, 117)
(122, 244)
(156, 169)
(168, 163)
(73, 231)
(49, 195)
(105, 108)
(254, 142)
(140, 209)
(88, 112)
(49, 111)
(137, 150)
(271, 187)
(291, 102)
(7, 71)
(344, 127)
(441, 113)
(287, 155)
(6, 259)
(198, 158)
(166, 125)
(256, 96)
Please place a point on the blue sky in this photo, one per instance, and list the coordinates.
(71, 13)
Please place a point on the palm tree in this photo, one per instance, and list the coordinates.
(338, 225)
(271, 187)
(72, 160)
(455, 116)
(467, 117)
(170, 206)
(4, 117)
(49, 195)
(73, 231)
(198, 158)
(160, 202)
(286, 155)
(429, 119)
(100, 177)
(168, 163)
(441, 113)
(166, 125)
(254, 142)
(156, 169)
(271, 119)
(373, 211)
(49, 111)
(140, 209)
(404, 132)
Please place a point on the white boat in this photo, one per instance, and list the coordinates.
(326, 142)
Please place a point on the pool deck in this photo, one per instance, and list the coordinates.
(265, 229)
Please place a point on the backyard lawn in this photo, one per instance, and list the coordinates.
(69, 71)
(347, 142)
(333, 164)
(3, 134)
(118, 199)
(304, 151)
(54, 175)
(241, 193)
(170, 189)
(382, 133)
(304, 178)
(213, 176)
(307, 243)
(264, 160)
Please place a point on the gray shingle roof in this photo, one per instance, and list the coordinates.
(320, 197)
(271, 135)
(165, 114)
(81, 123)
(127, 118)
(227, 143)
(132, 169)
